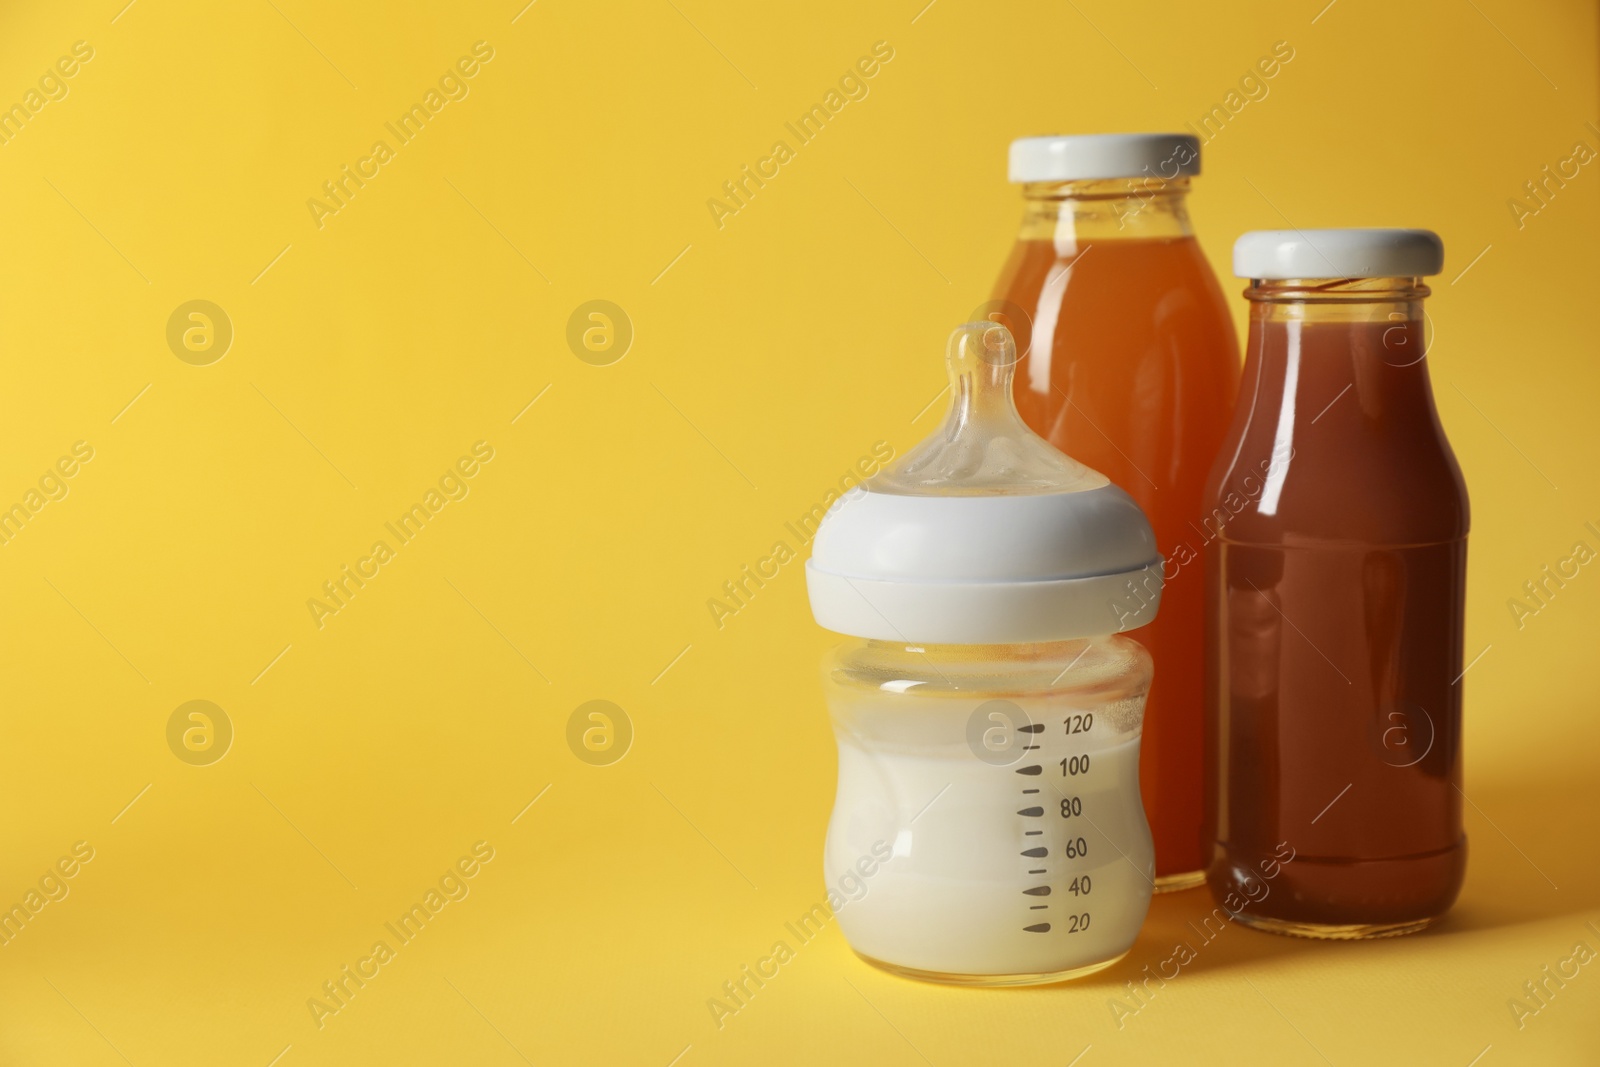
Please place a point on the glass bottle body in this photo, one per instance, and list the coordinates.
(987, 828)
(1336, 598)
(1131, 365)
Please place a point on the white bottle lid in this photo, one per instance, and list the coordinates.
(1279, 254)
(984, 533)
(1090, 157)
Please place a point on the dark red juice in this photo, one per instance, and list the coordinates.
(1336, 586)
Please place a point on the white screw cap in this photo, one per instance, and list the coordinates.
(1092, 157)
(1278, 254)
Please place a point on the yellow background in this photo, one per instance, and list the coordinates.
(768, 356)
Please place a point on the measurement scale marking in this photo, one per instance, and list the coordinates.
(1034, 812)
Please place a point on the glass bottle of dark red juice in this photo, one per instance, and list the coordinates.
(1336, 584)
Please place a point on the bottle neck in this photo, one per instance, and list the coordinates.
(1335, 437)
(1311, 337)
(1336, 300)
(1071, 213)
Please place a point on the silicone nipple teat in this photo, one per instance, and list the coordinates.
(983, 447)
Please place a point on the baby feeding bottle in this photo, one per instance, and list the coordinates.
(988, 711)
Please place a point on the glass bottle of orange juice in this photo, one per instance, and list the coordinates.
(1131, 364)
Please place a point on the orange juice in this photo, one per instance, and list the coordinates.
(1132, 366)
